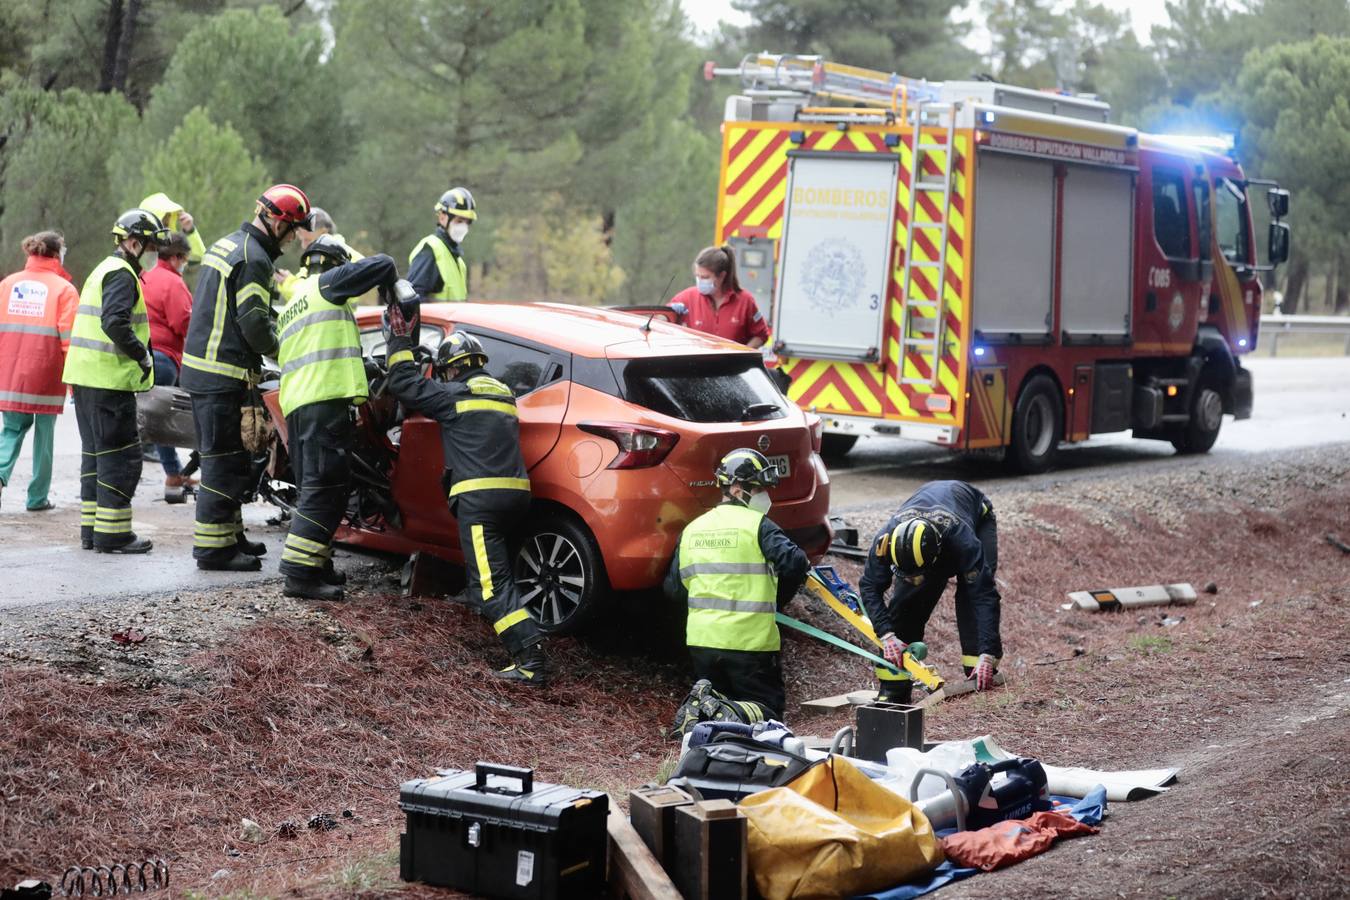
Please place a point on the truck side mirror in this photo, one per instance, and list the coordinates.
(1278, 251)
(1278, 201)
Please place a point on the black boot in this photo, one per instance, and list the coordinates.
(332, 576)
(239, 562)
(528, 667)
(252, 548)
(690, 712)
(135, 545)
(311, 589)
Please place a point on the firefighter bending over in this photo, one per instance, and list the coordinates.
(735, 568)
(946, 529)
(489, 489)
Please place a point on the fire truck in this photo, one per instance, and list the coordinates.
(987, 267)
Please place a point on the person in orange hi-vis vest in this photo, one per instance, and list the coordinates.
(37, 310)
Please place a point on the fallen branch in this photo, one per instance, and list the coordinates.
(1338, 543)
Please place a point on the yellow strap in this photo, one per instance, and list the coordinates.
(400, 357)
(486, 484)
(464, 406)
(974, 661)
(510, 619)
(817, 587)
(918, 545)
(484, 569)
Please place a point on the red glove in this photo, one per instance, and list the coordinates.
(984, 672)
(396, 323)
(894, 650)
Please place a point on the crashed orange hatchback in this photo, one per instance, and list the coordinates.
(623, 418)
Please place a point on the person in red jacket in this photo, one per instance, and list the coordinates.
(716, 304)
(37, 311)
(168, 303)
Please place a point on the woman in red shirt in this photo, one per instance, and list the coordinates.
(716, 304)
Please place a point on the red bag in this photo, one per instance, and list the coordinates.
(1005, 843)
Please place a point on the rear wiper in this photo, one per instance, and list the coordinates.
(758, 411)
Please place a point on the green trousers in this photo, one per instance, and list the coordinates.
(11, 442)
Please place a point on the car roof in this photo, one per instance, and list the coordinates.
(583, 330)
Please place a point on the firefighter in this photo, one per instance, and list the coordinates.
(436, 265)
(232, 328)
(109, 362)
(946, 529)
(37, 312)
(175, 218)
(320, 223)
(322, 378)
(488, 488)
(734, 568)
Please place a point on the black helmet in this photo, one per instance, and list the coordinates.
(460, 349)
(142, 225)
(915, 545)
(327, 251)
(746, 466)
(458, 202)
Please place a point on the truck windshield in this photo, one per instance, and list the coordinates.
(1230, 213)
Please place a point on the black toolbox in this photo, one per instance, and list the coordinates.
(494, 832)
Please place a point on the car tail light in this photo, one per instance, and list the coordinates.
(817, 426)
(640, 447)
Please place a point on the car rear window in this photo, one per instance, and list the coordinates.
(730, 388)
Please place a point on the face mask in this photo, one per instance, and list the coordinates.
(760, 502)
(704, 285)
(458, 230)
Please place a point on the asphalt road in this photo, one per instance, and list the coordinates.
(1299, 403)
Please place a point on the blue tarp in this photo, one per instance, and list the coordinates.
(1089, 811)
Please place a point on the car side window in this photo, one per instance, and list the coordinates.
(372, 339)
(520, 367)
(1171, 225)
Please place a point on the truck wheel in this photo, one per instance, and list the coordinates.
(1038, 423)
(560, 573)
(836, 446)
(1200, 433)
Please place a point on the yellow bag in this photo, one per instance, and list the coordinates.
(831, 832)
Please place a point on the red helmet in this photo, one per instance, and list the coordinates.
(287, 202)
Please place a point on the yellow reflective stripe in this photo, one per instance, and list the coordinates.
(299, 557)
(485, 384)
(485, 484)
(216, 528)
(480, 556)
(252, 289)
(918, 545)
(304, 543)
(215, 262)
(217, 322)
(750, 456)
(214, 367)
(510, 619)
(213, 542)
(884, 674)
(464, 406)
(401, 356)
(109, 512)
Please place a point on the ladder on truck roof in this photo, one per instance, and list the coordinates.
(780, 73)
(923, 321)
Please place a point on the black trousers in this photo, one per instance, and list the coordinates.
(321, 436)
(110, 464)
(226, 473)
(744, 676)
(489, 522)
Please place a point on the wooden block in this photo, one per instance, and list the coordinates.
(711, 860)
(652, 811)
(634, 873)
(716, 809)
(425, 575)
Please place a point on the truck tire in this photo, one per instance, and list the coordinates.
(560, 573)
(1206, 411)
(1038, 424)
(836, 446)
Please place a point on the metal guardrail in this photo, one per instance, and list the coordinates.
(1274, 326)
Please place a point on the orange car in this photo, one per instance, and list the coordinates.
(623, 418)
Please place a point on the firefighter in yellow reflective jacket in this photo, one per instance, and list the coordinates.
(322, 380)
(232, 327)
(734, 568)
(489, 489)
(436, 265)
(109, 362)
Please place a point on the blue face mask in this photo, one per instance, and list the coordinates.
(704, 285)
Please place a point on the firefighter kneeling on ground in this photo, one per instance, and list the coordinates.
(735, 568)
(489, 490)
(323, 379)
(946, 529)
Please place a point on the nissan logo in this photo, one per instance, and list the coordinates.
(763, 443)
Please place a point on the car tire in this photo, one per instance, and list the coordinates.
(1038, 424)
(1206, 411)
(836, 446)
(560, 573)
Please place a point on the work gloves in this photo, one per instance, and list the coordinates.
(395, 324)
(894, 650)
(984, 672)
(147, 364)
